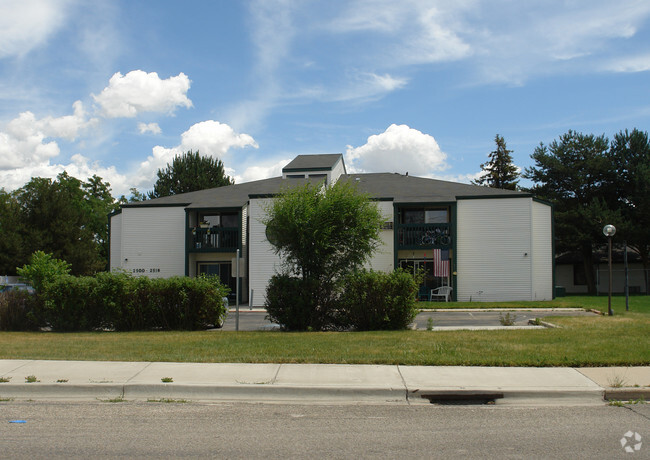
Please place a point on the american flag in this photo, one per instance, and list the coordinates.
(441, 263)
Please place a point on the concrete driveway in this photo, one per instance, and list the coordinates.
(254, 320)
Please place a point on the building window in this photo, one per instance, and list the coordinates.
(220, 220)
(295, 176)
(425, 216)
(579, 275)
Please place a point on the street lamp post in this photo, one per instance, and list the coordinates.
(609, 231)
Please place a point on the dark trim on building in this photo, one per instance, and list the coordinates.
(254, 196)
(187, 243)
(489, 197)
(215, 208)
(322, 168)
(538, 200)
(453, 218)
(155, 205)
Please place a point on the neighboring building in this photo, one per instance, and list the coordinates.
(571, 277)
(487, 244)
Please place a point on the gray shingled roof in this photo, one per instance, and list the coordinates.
(411, 189)
(398, 187)
(313, 162)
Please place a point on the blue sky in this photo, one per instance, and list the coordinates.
(117, 88)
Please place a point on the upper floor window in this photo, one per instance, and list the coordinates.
(425, 216)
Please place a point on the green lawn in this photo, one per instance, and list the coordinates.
(623, 339)
(636, 303)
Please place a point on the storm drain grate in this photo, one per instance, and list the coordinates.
(462, 398)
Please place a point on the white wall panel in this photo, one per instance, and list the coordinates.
(542, 252)
(264, 263)
(153, 241)
(384, 258)
(494, 249)
(116, 241)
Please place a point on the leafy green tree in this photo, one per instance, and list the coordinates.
(630, 155)
(574, 173)
(499, 171)
(67, 218)
(11, 234)
(190, 172)
(323, 233)
(98, 204)
(42, 269)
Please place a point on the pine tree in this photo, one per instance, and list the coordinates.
(499, 171)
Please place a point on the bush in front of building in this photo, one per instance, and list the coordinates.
(373, 300)
(70, 303)
(368, 300)
(289, 303)
(17, 311)
(121, 302)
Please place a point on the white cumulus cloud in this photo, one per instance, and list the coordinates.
(209, 138)
(27, 24)
(79, 167)
(262, 171)
(149, 128)
(138, 91)
(398, 149)
(26, 140)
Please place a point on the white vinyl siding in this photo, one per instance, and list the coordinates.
(384, 258)
(542, 252)
(339, 168)
(494, 249)
(116, 241)
(264, 263)
(153, 241)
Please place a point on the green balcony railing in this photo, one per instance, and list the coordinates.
(214, 239)
(418, 236)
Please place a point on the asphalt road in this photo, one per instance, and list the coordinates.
(254, 320)
(192, 430)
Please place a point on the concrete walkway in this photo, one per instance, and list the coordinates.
(320, 383)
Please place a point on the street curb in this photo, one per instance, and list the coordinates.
(204, 392)
(65, 391)
(265, 393)
(627, 394)
(269, 393)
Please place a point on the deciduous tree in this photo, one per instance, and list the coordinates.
(11, 234)
(67, 218)
(190, 172)
(322, 233)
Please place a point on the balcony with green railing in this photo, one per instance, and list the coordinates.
(423, 236)
(213, 239)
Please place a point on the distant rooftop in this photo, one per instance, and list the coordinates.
(321, 162)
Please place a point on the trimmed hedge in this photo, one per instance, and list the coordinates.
(121, 302)
(367, 300)
(373, 300)
(289, 303)
(17, 311)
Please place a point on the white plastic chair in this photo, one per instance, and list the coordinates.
(441, 292)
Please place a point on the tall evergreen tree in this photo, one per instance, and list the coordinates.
(499, 171)
(630, 156)
(190, 172)
(574, 173)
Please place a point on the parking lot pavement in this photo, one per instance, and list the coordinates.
(255, 320)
